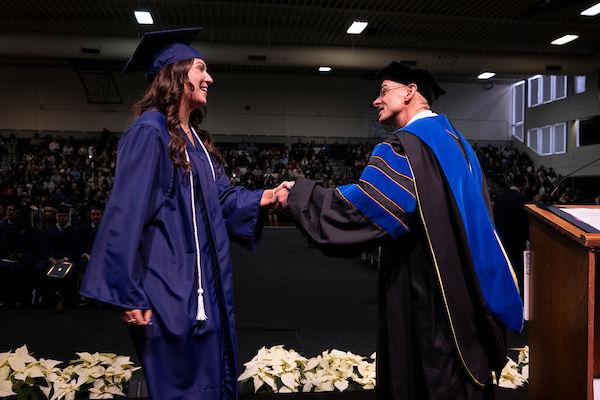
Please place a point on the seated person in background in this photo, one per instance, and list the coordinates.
(86, 233)
(511, 222)
(57, 243)
(15, 246)
(48, 218)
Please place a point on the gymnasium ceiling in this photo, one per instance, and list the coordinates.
(459, 37)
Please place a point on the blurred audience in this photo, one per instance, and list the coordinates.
(52, 191)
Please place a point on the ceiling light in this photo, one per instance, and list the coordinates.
(324, 69)
(592, 11)
(357, 27)
(486, 75)
(565, 39)
(143, 17)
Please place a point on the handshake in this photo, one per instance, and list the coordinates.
(278, 195)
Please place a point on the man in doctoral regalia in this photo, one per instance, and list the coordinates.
(446, 288)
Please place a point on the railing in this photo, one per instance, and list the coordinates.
(219, 138)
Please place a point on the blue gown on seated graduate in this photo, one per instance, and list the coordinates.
(144, 258)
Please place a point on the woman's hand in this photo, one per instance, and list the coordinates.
(137, 317)
(268, 198)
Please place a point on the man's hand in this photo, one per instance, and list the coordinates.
(137, 317)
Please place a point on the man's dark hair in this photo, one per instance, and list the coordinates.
(519, 180)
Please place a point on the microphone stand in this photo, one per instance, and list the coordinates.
(545, 204)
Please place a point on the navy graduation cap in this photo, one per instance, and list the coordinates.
(426, 83)
(161, 48)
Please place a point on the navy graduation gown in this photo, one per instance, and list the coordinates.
(144, 258)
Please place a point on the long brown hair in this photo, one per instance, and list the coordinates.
(196, 118)
(164, 94)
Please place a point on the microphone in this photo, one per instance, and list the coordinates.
(557, 185)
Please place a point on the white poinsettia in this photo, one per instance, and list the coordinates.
(66, 390)
(21, 368)
(19, 359)
(5, 382)
(102, 390)
(100, 374)
(4, 358)
(366, 375)
(523, 355)
(6, 388)
(120, 369)
(49, 365)
(106, 372)
(511, 377)
(32, 370)
(341, 367)
(286, 371)
(525, 372)
(524, 361)
(37, 369)
(319, 380)
(273, 365)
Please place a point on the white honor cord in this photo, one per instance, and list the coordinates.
(212, 169)
(200, 313)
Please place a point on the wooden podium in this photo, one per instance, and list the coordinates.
(564, 282)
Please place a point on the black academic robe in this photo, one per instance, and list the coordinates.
(15, 258)
(58, 242)
(512, 224)
(436, 339)
(86, 233)
(12, 235)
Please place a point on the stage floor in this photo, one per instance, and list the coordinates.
(286, 293)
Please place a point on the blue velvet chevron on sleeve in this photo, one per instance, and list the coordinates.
(385, 192)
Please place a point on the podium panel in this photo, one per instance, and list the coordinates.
(563, 309)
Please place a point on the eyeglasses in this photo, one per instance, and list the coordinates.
(385, 89)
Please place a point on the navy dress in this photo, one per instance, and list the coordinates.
(144, 257)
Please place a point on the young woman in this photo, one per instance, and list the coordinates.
(162, 250)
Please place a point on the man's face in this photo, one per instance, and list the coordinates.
(48, 213)
(11, 212)
(62, 218)
(391, 100)
(95, 216)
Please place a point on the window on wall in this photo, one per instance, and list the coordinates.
(560, 138)
(535, 94)
(579, 84)
(588, 131)
(532, 140)
(518, 110)
(546, 88)
(560, 86)
(547, 140)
